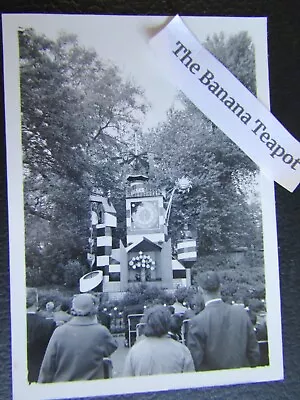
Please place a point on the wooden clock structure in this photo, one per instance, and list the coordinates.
(146, 257)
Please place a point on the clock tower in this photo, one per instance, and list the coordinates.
(146, 257)
(145, 212)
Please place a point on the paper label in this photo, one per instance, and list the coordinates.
(228, 103)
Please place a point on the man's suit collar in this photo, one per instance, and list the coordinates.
(213, 301)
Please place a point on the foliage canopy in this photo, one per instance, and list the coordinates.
(79, 116)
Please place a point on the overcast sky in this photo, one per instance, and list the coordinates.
(124, 41)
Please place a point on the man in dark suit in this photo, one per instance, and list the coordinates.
(39, 332)
(103, 317)
(221, 336)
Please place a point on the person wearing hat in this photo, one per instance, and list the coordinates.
(77, 348)
(221, 336)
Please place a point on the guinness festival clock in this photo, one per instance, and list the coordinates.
(145, 214)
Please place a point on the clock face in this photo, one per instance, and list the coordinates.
(144, 215)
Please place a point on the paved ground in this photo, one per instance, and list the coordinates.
(118, 357)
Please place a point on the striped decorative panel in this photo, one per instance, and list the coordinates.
(186, 243)
(104, 233)
(102, 261)
(110, 220)
(114, 277)
(114, 268)
(187, 250)
(187, 256)
(104, 241)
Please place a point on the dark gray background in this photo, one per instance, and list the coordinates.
(284, 66)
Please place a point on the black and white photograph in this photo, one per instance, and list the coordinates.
(143, 246)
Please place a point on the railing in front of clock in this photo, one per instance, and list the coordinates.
(147, 192)
(153, 282)
(147, 280)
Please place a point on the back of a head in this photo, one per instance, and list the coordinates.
(158, 320)
(31, 297)
(84, 305)
(50, 306)
(176, 323)
(210, 281)
(179, 295)
(197, 303)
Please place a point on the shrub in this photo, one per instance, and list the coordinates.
(152, 293)
(33, 277)
(185, 294)
(72, 272)
(256, 305)
(241, 274)
(55, 295)
(146, 294)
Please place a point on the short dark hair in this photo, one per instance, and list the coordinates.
(180, 295)
(157, 320)
(176, 323)
(197, 302)
(210, 281)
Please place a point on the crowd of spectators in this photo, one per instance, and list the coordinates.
(71, 341)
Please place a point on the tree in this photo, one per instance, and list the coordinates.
(189, 144)
(237, 54)
(77, 114)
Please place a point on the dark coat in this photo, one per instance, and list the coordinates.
(221, 337)
(104, 318)
(76, 351)
(61, 317)
(39, 332)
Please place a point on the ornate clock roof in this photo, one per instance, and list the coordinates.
(143, 244)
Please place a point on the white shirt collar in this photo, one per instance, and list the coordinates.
(213, 301)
